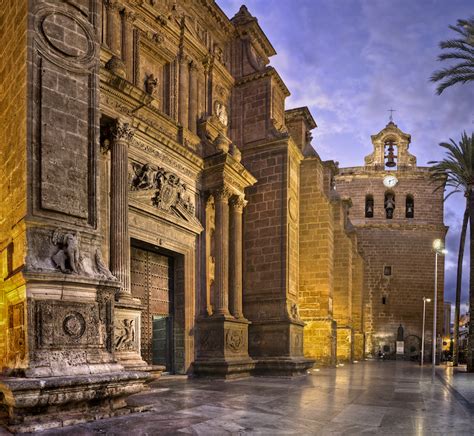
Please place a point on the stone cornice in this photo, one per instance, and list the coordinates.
(222, 168)
(267, 72)
(301, 113)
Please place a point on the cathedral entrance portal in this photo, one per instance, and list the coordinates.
(152, 282)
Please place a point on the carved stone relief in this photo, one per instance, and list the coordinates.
(65, 323)
(68, 258)
(126, 334)
(234, 340)
(169, 192)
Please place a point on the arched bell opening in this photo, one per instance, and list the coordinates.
(369, 206)
(389, 204)
(410, 207)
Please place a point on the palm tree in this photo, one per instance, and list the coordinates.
(456, 171)
(461, 50)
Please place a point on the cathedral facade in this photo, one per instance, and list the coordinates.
(163, 211)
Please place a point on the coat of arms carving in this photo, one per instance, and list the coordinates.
(169, 192)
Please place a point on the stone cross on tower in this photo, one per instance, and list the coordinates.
(391, 114)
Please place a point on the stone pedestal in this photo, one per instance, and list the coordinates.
(36, 404)
(127, 335)
(279, 347)
(222, 350)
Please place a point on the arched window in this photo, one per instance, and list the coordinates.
(389, 204)
(390, 148)
(369, 206)
(410, 207)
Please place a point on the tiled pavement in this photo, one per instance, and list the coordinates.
(389, 398)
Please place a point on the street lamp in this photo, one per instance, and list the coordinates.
(425, 300)
(438, 247)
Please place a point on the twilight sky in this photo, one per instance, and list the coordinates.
(350, 61)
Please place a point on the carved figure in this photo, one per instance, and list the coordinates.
(400, 332)
(221, 113)
(68, 259)
(101, 267)
(151, 83)
(295, 312)
(127, 338)
(145, 177)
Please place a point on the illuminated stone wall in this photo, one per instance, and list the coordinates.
(342, 282)
(316, 262)
(13, 113)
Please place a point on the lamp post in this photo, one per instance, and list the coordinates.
(438, 246)
(425, 300)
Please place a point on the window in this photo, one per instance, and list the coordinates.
(384, 300)
(369, 206)
(387, 270)
(410, 207)
(389, 204)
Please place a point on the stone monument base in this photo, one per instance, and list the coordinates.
(223, 348)
(35, 404)
(283, 366)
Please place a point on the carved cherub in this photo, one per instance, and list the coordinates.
(128, 334)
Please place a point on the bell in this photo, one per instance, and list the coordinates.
(390, 156)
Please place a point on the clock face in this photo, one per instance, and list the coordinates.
(390, 181)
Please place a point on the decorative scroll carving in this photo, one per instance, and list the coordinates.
(238, 203)
(122, 131)
(294, 312)
(117, 66)
(234, 340)
(101, 267)
(170, 191)
(125, 340)
(68, 259)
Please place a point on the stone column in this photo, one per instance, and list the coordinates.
(193, 97)
(111, 38)
(183, 114)
(122, 133)
(127, 42)
(221, 297)
(235, 256)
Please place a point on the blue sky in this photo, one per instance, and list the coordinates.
(350, 61)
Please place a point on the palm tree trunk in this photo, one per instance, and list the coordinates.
(457, 307)
(470, 348)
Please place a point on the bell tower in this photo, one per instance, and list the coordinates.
(397, 213)
(390, 150)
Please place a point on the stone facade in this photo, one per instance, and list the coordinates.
(398, 253)
(164, 211)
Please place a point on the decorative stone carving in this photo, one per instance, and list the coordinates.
(101, 267)
(151, 83)
(68, 259)
(221, 113)
(294, 312)
(16, 333)
(116, 65)
(122, 131)
(170, 191)
(74, 325)
(234, 340)
(125, 339)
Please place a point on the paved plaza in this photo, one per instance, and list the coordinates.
(389, 398)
